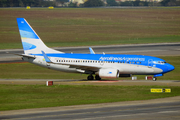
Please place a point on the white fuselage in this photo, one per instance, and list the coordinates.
(64, 64)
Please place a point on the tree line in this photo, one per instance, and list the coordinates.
(24, 3)
(88, 3)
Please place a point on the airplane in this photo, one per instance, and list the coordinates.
(98, 65)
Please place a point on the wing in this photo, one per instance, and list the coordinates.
(84, 67)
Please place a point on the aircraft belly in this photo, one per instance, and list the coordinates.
(64, 68)
(138, 69)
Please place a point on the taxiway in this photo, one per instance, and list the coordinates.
(159, 49)
(161, 109)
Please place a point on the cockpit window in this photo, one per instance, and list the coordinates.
(161, 62)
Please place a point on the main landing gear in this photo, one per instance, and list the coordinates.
(91, 77)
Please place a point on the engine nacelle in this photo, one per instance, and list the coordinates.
(108, 73)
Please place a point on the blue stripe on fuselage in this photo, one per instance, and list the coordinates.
(102, 57)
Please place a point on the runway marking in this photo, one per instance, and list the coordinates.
(78, 82)
(168, 111)
(129, 115)
(107, 81)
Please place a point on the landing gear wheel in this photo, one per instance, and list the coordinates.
(90, 77)
(97, 77)
(154, 79)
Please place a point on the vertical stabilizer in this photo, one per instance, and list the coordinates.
(32, 43)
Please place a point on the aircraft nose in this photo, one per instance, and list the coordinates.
(170, 67)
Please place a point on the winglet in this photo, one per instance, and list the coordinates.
(91, 50)
(46, 57)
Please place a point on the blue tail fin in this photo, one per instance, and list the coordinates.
(25, 29)
(32, 44)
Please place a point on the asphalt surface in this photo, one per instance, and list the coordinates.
(160, 49)
(161, 109)
(92, 82)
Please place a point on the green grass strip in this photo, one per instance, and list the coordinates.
(15, 97)
(96, 26)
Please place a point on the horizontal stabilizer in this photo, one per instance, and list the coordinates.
(24, 55)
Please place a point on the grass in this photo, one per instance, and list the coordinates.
(30, 71)
(15, 97)
(95, 26)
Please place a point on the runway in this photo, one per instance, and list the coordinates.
(161, 109)
(160, 49)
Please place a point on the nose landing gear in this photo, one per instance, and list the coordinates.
(154, 78)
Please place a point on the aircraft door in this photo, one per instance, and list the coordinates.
(47, 64)
(150, 63)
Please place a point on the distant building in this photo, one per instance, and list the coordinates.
(83, 1)
(50, 0)
(78, 1)
(118, 0)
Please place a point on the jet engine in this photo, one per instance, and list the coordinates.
(108, 73)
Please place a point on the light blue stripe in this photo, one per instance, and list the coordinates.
(28, 46)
